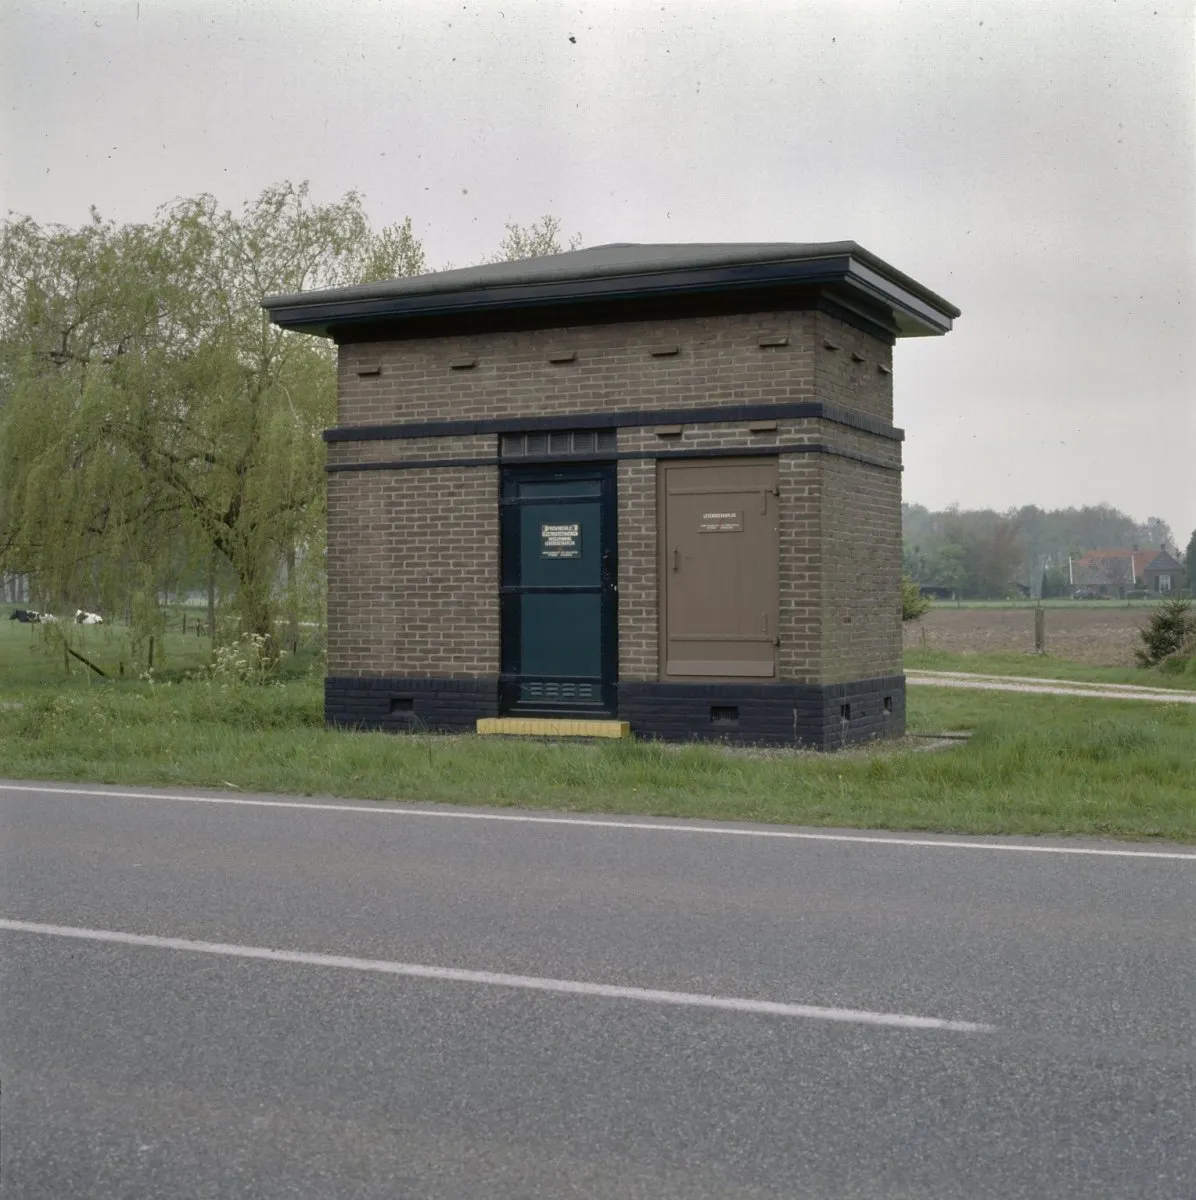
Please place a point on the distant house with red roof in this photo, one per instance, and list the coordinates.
(1115, 572)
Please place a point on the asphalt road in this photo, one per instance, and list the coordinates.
(282, 1037)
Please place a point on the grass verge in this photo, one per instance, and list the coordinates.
(33, 655)
(1034, 765)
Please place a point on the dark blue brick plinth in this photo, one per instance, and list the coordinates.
(821, 716)
(402, 705)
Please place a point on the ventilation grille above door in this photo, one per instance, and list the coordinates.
(565, 443)
(536, 690)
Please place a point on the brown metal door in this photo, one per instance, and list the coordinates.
(719, 593)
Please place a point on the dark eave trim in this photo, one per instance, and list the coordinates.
(915, 310)
(723, 414)
(855, 309)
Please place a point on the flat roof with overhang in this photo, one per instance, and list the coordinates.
(624, 281)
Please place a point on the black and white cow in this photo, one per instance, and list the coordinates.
(26, 616)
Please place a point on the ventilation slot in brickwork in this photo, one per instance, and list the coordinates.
(566, 443)
(844, 712)
(724, 714)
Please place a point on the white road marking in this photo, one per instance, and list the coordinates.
(392, 808)
(532, 983)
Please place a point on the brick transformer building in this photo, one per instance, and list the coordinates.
(654, 482)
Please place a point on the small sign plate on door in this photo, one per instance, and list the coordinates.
(721, 522)
(560, 541)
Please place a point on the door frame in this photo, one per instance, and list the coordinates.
(510, 677)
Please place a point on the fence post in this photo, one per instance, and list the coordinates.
(1040, 630)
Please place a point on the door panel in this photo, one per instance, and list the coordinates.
(560, 635)
(719, 568)
(559, 543)
(559, 632)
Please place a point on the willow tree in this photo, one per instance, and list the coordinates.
(75, 312)
(150, 407)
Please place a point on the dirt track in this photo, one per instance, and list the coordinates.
(1104, 634)
(1048, 687)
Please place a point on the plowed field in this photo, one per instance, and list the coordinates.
(1103, 635)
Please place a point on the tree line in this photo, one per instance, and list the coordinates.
(988, 554)
(156, 431)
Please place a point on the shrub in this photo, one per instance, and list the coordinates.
(913, 603)
(1169, 634)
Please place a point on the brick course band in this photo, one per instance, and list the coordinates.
(616, 420)
(817, 716)
(412, 464)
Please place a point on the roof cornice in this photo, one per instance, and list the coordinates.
(614, 277)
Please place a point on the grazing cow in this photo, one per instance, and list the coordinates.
(26, 616)
(87, 618)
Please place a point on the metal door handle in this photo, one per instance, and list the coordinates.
(676, 560)
(608, 574)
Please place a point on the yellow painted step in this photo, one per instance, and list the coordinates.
(553, 727)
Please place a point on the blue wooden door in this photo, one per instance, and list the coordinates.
(559, 593)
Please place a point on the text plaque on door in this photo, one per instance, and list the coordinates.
(560, 541)
(721, 522)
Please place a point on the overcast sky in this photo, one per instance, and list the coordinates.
(1034, 163)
